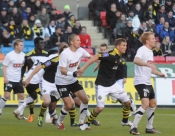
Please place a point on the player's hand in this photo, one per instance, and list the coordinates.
(162, 75)
(6, 80)
(124, 81)
(95, 69)
(152, 66)
(80, 71)
(26, 82)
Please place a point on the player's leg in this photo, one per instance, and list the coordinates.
(101, 93)
(7, 90)
(150, 113)
(144, 96)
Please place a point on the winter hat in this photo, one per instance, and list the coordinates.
(70, 15)
(60, 16)
(66, 7)
(37, 21)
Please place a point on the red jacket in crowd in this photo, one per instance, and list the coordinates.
(85, 40)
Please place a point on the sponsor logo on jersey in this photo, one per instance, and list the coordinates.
(48, 63)
(105, 54)
(115, 67)
(73, 64)
(99, 97)
(17, 65)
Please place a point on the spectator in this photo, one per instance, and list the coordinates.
(149, 14)
(70, 21)
(110, 15)
(14, 30)
(47, 5)
(53, 14)
(167, 46)
(114, 20)
(98, 6)
(173, 10)
(38, 29)
(67, 33)
(161, 12)
(16, 16)
(66, 11)
(166, 31)
(130, 5)
(151, 26)
(4, 25)
(156, 7)
(56, 38)
(26, 31)
(77, 27)
(27, 13)
(138, 11)
(49, 30)
(143, 28)
(160, 25)
(43, 17)
(170, 19)
(144, 5)
(22, 7)
(168, 5)
(31, 4)
(157, 51)
(10, 6)
(31, 20)
(130, 15)
(162, 2)
(108, 4)
(61, 22)
(128, 30)
(3, 15)
(120, 26)
(37, 7)
(85, 38)
(136, 22)
(18, 3)
(121, 5)
(6, 39)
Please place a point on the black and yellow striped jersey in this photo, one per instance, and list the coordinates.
(108, 66)
(50, 68)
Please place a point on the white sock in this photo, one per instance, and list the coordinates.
(63, 113)
(138, 116)
(2, 104)
(29, 100)
(20, 102)
(54, 115)
(88, 113)
(150, 117)
(83, 112)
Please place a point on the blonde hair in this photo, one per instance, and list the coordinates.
(164, 40)
(17, 41)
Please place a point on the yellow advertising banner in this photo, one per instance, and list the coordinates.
(89, 87)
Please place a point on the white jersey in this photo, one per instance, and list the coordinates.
(38, 76)
(14, 62)
(143, 73)
(70, 60)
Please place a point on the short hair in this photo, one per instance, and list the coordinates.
(37, 39)
(104, 45)
(62, 46)
(119, 41)
(17, 41)
(71, 37)
(83, 27)
(145, 36)
(68, 26)
(58, 27)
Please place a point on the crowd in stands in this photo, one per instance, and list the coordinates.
(130, 18)
(28, 19)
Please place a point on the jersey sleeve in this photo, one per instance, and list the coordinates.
(139, 53)
(6, 60)
(103, 56)
(46, 65)
(63, 60)
(33, 58)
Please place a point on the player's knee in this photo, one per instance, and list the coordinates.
(152, 105)
(21, 96)
(85, 101)
(46, 103)
(99, 109)
(70, 106)
(127, 104)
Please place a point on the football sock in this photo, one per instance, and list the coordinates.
(20, 102)
(126, 112)
(88, 113)
(150, 117)
(63, 113)
(138, 116)
(54, 115)
(92, 116)
(2, 103)
(31, 106)
(29, 100)
(72, 113)
(83, 112)
(42, 110)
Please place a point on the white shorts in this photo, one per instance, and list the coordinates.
(115, 91)
(120, 82)
(49, 88)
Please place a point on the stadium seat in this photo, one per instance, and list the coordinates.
(30, 48)
(159, 59)
(25, 50)
(90, 50)
(29, 43)
(6, 50)
(170, 59)
(2, 56)
(59, 12)
(103, 18)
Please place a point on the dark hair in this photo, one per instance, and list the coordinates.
(62, 46)
(119, 41)
(58, 27)
(17, 41)
(71, 37)
(83, 27)
(37, 39)
(68, 26)
(104, 45)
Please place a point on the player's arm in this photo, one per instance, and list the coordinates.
(124, 72)
(4, 68)
(97, 66)
(23, 69)
(139, 62)
(156, 72)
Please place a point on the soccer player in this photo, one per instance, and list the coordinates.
(144, 67)
(31, 90)
(12, 74)
(106, 81)
(66, 79)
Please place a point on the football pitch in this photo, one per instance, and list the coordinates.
(110, 120)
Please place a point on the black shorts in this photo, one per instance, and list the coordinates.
(16, 86)
(53, 98)
(64, 90)
(33, 88)
(145, 91)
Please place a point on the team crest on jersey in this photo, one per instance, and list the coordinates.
(105, 54)
(48, 63)
(99, 97)
(73, 64)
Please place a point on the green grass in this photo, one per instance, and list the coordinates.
(110, 120)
